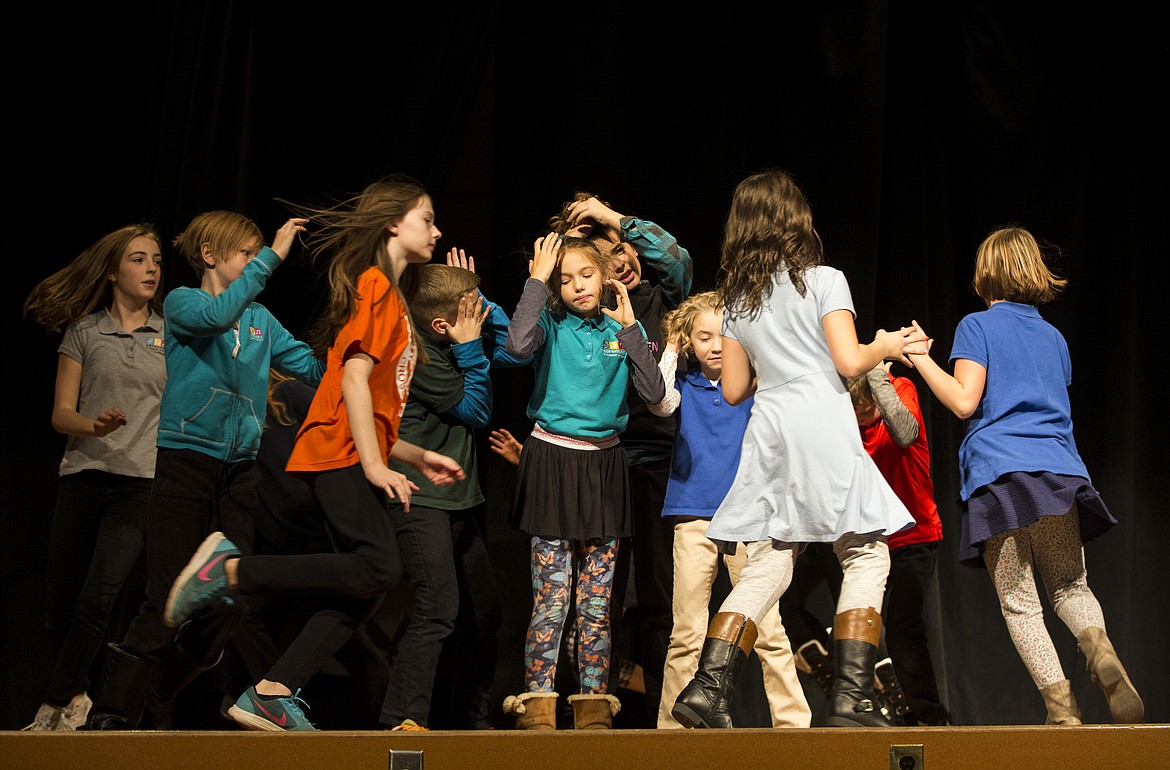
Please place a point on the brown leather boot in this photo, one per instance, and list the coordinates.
(594, 711)
(1101, 659)
(533, 710)
(1061, 704)
(706, 701)
(855, 638)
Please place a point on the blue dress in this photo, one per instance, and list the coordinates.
(803, 474)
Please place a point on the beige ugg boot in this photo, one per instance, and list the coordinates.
(594, 711)
(1101, 659)
(1061, 704)
(533, 710)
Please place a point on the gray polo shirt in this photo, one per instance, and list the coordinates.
(118, 369)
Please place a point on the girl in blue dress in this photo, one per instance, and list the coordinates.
(803, 476)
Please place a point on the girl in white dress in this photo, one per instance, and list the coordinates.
(804, 476)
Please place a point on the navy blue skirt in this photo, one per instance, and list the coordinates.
(1017, 500)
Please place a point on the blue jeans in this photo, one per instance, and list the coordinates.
(99, 527)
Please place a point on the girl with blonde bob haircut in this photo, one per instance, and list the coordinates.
(1028, 502)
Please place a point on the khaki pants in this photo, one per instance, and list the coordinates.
(696, 565)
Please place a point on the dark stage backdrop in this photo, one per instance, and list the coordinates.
(914, 132)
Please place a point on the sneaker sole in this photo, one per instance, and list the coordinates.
(250, 721)
(197, 561)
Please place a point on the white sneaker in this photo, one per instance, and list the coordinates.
(48, 718)
(74, 715)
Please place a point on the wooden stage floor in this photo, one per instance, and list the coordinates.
(1093, 747)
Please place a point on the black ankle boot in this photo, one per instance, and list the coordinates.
(855, 702)
(123, 680)
(171, 675)
(813, 659)
(706, 701)
(891, 696)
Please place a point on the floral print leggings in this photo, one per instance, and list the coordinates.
(553, 565)
(1052, 547)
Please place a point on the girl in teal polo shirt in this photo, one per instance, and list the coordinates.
(572, 488)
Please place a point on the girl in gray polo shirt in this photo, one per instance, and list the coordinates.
(110, 376)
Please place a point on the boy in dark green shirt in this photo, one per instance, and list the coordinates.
(439, 538)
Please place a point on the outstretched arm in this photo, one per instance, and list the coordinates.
(438, 469)
(960, 392)
(852, 358)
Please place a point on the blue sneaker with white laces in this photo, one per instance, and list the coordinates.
(203, 582)
(275, 714)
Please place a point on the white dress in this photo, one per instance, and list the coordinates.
(803, 474)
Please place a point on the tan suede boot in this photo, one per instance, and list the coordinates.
(594, 711)
(533, 710)
(1101, 659)
(1061, 704)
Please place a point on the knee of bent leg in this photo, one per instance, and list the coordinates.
(594, 609)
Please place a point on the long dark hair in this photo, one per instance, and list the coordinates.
(769, 228)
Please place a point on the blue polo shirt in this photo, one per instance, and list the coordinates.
(1023, 422)
(706, 447)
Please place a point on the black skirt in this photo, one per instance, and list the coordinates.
(572, 494)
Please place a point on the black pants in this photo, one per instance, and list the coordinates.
(353, 579)
(192, 496)
(912, 568)
(99, 527)
(454, 602)
(652, 554)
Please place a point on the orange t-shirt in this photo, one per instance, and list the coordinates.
(380, 329)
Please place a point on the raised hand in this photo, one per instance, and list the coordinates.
(469, 319)
(282, 243)
(459, 258)
(584, 214)
(623, 313)
(544, 257)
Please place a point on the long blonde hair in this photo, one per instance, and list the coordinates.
(83, 285)
(769, 228)
(1010, 266)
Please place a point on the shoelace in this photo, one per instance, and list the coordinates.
(291, 704)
